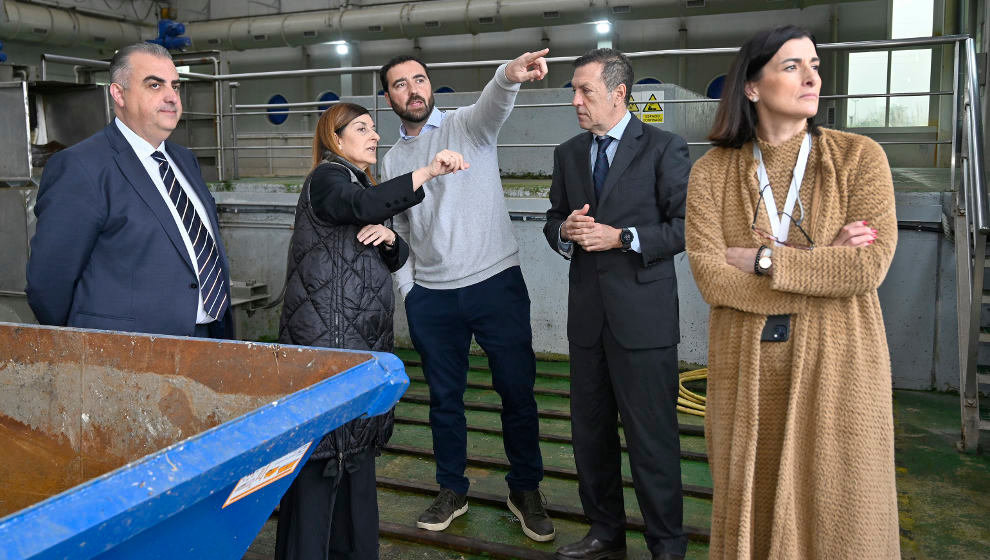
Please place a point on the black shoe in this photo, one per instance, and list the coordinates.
(527, 505)
(591, 548)
(445, 507)
(667, 556)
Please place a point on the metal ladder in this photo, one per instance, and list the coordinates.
(971, 231)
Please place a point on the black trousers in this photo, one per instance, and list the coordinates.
(321, 517)
(640, 385)
(496, 312)
(213, 329)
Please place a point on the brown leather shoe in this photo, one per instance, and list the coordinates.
(591, 548)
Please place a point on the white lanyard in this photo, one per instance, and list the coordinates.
(766, 192)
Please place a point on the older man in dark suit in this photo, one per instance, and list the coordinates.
(127, 236)
(617, 212)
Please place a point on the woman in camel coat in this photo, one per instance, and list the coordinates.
(799, 416)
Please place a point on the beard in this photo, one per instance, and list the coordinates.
(416, 116)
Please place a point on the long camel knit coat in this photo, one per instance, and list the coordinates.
(800, 433)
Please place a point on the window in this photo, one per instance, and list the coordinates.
(276, 116)
(898, 71)
(327, 96)
(715, 87)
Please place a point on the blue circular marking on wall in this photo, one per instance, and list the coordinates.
(649, 81)
(567, 86)
(277, 116)
(327, 96)
(714, 90)
(444, 89)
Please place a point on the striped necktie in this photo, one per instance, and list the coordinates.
(212, 279)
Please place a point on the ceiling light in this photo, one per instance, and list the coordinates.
(343, 49)
(603, 27)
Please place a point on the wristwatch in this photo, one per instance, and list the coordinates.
(626, 238)
(763, 261)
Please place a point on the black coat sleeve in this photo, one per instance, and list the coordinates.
(664, 239)
(395, 256)
(337, 200)
(560, 208)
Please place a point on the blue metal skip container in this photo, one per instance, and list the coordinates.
(118, 445)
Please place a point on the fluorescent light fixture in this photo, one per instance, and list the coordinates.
(603, 27)
(341, 47)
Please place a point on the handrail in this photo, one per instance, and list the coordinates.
(976, 145)
(967, 166)
(971, 244)
(891, 43)
(289, 106)
(849, 45)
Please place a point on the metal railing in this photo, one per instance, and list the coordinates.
(967, 169)
(966, 164)
(181, 58)
(971, 230)
(262, 109)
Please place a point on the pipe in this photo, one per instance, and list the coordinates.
(409, 20)
(59, 27)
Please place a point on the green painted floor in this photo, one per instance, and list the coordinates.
(944, 496)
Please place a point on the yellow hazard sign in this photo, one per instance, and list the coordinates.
(633, 107)
(652, 111)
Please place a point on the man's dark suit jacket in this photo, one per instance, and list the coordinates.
(646, 188)
(107, 253)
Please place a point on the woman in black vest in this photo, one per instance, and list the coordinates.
(338, 294)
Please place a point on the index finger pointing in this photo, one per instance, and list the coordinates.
(531, 57)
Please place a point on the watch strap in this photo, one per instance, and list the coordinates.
(626, 238)
(756, 263)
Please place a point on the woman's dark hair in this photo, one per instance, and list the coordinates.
(735, 119)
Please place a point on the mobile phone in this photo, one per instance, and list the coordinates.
(777, 329)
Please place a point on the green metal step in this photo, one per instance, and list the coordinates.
(419, 472)
(419, 413)
(484, 523)
(558, 460)
(407, 466)
(406, 420)
(689, 425)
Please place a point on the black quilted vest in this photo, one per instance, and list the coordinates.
(338, 294)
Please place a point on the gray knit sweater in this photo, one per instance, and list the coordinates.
(460, 234)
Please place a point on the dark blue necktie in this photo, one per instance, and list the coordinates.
(212, 279)
(601, 165)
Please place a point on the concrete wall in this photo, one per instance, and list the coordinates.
(526, 125)
(917, 296)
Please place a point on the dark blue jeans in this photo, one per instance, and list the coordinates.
(441, 323)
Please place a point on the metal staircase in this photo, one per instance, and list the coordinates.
(971, 230)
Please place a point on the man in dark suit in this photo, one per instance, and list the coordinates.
(127, 236)
(617, 212)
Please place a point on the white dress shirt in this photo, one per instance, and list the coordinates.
(143, 150)
(566, 248)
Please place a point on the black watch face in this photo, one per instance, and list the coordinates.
(626, 237)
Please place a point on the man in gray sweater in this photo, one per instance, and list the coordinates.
(462, 278)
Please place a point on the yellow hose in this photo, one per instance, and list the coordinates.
(689, 402)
